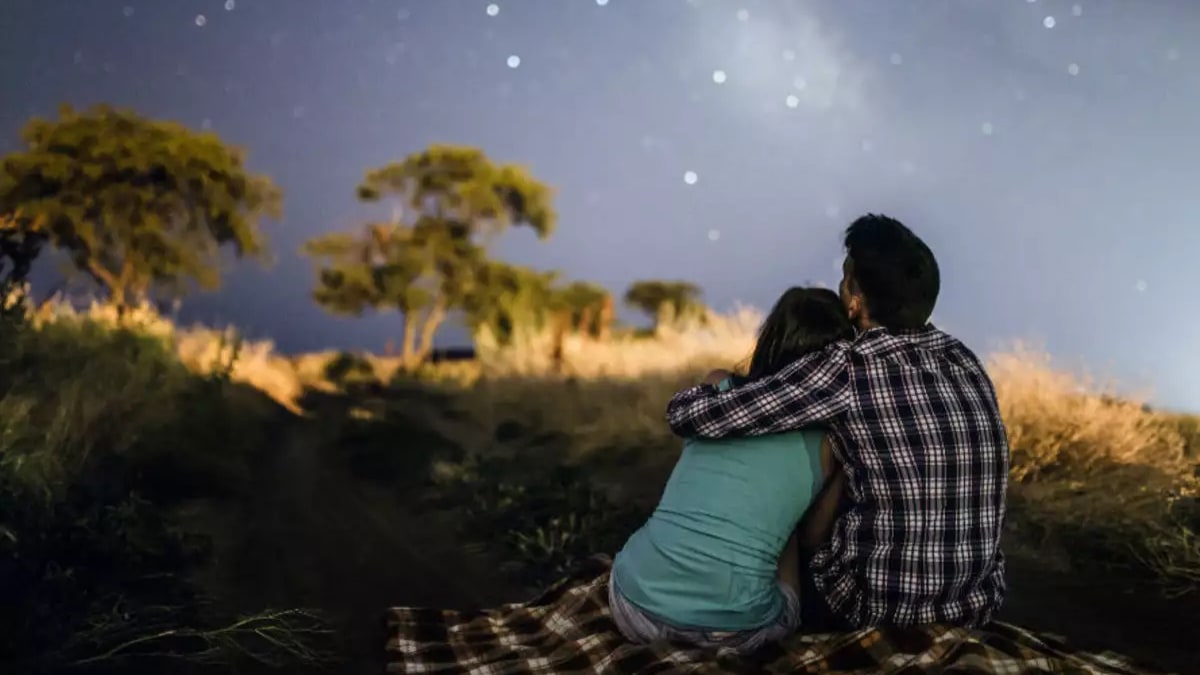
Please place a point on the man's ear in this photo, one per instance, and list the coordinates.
(854, 306)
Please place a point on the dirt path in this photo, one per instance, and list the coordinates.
(314, 537)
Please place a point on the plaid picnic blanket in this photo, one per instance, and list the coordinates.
(568, 629)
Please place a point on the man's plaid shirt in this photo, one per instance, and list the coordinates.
(913, 419)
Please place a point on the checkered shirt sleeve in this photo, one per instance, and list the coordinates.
(814, 389)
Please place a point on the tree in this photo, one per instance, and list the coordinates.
(512, 298)
(509, 300)
(433, 259)
(591, 308)
(138, 205)
(666, 301)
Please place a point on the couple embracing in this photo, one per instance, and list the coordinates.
(854, 477)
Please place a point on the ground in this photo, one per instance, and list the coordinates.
(317, 536)
(347, 495)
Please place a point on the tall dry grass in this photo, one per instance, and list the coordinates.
(1097, 470)
(682, 346)
(202, 349)
(1117, 471)
(1057, 420)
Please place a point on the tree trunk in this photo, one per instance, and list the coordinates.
(665, 318)
(430, 324)
(562, 323)
(116, 294)
(408, 345)
(607, 314)
(586, 319)
(116, 285)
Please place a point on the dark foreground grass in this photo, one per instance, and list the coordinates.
(105, 440)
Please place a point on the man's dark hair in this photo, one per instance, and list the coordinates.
(894, 271)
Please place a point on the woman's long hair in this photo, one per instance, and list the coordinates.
(802, 321)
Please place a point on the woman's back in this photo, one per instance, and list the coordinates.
(708, 556)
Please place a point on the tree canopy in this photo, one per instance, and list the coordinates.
(433, 258)
(665, 301)
(591, 308)
(510, 298)
(138, 205)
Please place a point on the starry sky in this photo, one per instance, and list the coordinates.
(1045, 149)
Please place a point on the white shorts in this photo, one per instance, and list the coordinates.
(638, 626)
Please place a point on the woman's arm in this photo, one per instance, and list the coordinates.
(816, 525)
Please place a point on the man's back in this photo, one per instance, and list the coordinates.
(927, 461)
(913, 417)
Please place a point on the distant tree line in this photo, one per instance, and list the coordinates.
(149, 209)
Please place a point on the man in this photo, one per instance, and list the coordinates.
(913, 420)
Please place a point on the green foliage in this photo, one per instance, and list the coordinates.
(590, 307)
(433, 259)
(138, 205)
(510, 298)
(666, 301)
(465, 189)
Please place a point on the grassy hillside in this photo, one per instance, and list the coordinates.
(111, 452)
(162, 484)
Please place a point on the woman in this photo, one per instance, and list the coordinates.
(710, 566)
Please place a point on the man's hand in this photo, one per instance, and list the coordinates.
(715, 377)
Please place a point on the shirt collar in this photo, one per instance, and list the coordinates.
(927, 329)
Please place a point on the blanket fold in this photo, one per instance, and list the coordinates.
(568, 629)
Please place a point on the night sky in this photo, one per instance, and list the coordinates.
(1047, 150)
